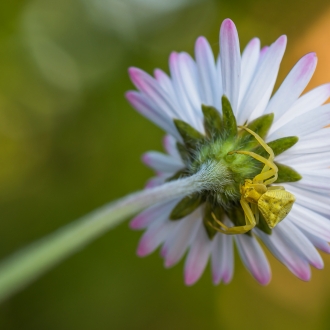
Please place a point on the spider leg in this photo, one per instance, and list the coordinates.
(261, 141)
(236, 230)
(255, 210)
(248, 213)
(263, 144)
(276, 188)
(249, 217)
(267, 175)
(272, 174)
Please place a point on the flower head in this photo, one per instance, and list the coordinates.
(202, 106)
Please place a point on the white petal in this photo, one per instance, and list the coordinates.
(169, 143)
(154, 236)
(284, 253)
(230, 62)
(191, 84)
(262, 55)
(318, 141)
(156, 181)
(218, 104)
(148, 109)
(317, 242)
(307, 161)
(299, 242)
(207, 71)
(304, 124)
(318, 181)
(151, 88)
(310, 221)
(222, 258)
(313, 99)
(197, 256)
(264, 78)
(161, 162)
(254, 258)
(260, 108)
(151, 214)
(165, 82)
(249, 63)
(293, 85)
(314, 201)
(178, 74)
(309, 101)
(185, 231)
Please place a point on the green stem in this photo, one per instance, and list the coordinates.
(27, 265)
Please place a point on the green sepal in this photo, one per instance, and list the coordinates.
(208, 218)
(212, 120)
(186, 206)
(282, 144)
(191, 137)
(184, 153)
(278, 146)
(287, 174)
(177, 175)
(229, 120)
(261, 126)
(237, 217)
(263, 226)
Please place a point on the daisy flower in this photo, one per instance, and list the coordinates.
(201, 106)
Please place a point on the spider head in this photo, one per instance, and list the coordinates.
(251, 192)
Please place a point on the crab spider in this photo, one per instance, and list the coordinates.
(273, 202)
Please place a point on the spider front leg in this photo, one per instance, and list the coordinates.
(261, 142)
(249, 218)
(268, 149)
(270, 175)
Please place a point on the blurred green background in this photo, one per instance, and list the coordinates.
(69, 142)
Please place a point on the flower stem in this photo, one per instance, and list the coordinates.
(27, 265)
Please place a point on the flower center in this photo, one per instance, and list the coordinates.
(225, 172)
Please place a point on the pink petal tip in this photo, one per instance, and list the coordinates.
(201, 41)
(168, 263)
(145, 159)
(142, 249)
(159, 74)
(173, 58)
(282, 40)
(228, 24)
(166, 142)
(150, 184)
(263, 279)
(254, 41)
(263, 50)
(226, 276)
(216, 279)
(318, 265)
(130, 96)
(136, 222)
(163, 251)
(304, 275)
(190, 280)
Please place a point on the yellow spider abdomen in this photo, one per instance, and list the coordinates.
(274, 205)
